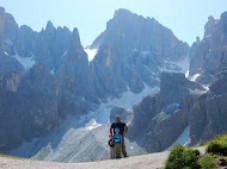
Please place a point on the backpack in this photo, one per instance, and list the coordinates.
(111, 142)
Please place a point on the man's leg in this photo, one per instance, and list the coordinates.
(124, 152)
(112, 152)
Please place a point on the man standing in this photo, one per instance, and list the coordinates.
(123, 131)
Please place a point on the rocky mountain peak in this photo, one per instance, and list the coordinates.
(49, 31)
(132, 54)
(123, 14)
(8, 32)
(75, 38)
(50, 27)
(224, 22)
(210, 26)
(131, 45)
(75, 48)
(209, 56)
(8, 25)
(2, 10)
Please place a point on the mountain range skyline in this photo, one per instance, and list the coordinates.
(54, 95)
(176, 15)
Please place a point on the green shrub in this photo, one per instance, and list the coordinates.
(218, 145)
(191, 157)
(182, 158)
(207, 161)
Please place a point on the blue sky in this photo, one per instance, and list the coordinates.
(186, 18)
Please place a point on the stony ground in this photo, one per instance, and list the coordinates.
(150, 161)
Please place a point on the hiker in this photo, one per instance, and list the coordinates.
(123, 130)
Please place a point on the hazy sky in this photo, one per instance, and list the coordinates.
(186, 18)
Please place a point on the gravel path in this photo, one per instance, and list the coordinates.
(150, 161)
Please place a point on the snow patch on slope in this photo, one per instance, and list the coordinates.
(26, 62)
(184, 64)
(80, 145)
(83, 138)
(206, 87)
(177, 66)
(187, 74)
(184, 138)
(127, 101)
(92, 125)
(52, 72)
(91, 53)
(195, 76)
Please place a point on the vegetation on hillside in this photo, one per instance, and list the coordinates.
(218, 146)
(187, 158)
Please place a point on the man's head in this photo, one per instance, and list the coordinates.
(118, 118)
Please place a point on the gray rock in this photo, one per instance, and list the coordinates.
(131, 50)
(126, 115)
(73, 78)
(144, 112)
(161, 118)
(209, 56)
(8, 32)
(209, 112)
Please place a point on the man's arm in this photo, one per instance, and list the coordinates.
(126, 129)
(111, 129)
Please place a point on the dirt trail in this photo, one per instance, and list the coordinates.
(150, 161)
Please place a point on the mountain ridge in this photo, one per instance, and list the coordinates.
(46, 78)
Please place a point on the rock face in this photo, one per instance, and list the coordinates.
(8, 32)
(209, 112)
(131, 52)
(10, 78)
(208, 57)
(159, 119)
(144, 112)
(42, 76)
(73, 77)
(184, 103)
(46, 76)
(126, 115)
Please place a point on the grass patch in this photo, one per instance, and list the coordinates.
(207, 162)
(11, 157)
(186, 158)
(218, 145)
